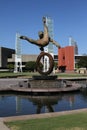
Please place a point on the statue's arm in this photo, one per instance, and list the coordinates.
(55, 43)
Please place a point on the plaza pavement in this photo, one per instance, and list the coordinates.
(7, 82)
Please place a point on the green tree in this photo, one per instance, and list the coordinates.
(30, 66)
(55, 65)
(82, 62)
(10, 67)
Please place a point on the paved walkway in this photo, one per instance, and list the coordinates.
(6, 82)
(3, 126)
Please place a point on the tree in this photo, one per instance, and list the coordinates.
(10, 67)
(55, 65)
(30, 66)
(82, 62)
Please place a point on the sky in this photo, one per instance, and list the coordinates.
(25, 17)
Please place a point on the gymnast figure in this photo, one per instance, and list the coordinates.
(44, 38)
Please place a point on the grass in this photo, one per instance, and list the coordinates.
(12, 74)
(71, 75)
(64, 122)
(29, 74)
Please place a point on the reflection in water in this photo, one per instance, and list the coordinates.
(45, 101)
(11, 105)
(18, 104)
(70, 99)
(39, 101)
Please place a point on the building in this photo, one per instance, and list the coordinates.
(66, 58)
(72, 42)
(25, 59)
(7, 56)
(5, 53)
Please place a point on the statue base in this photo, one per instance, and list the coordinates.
(44, 77)
(43, 81)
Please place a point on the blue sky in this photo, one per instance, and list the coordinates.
(25, 17)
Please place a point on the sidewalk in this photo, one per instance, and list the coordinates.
(3, 126)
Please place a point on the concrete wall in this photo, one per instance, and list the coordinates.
(25, 58)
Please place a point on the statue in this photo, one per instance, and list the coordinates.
(44, 38)
(43, 41)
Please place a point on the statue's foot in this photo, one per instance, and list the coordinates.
(41, 48)
(22, 37)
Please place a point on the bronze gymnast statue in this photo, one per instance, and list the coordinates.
(44, 38)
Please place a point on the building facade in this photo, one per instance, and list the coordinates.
(72, 42)
(5, 53)
(66, 58)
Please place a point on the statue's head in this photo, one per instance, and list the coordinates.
(40, 34)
